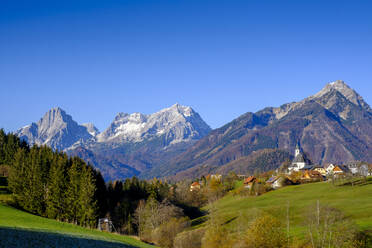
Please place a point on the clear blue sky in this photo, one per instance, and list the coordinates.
(223, 58)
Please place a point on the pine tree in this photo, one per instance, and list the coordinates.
(87, 212)
(100, 194)
(2, 146)
(36, 186)
(56, 187)
(17, 176)
(73, 191)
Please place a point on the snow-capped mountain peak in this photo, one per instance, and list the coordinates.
(176, 124)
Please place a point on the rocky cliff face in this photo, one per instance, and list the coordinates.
(55, 129)
(334, 125)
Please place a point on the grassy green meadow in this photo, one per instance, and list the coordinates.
(18, 228)
(354, 201)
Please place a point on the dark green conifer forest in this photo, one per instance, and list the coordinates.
(53, 185)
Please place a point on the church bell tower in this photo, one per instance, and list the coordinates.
(297, 151)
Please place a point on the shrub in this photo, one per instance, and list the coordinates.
(265, 232)
(165, 234)
(190, 239)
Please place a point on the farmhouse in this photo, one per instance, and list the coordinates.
(340, 170)
(358, 168)
(329, 168)
(248, 182)
(195, 186)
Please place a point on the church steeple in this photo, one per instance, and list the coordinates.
(298, 150)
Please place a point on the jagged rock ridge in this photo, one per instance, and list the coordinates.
(55, 129)
(132, 144)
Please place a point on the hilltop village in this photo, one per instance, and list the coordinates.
(301, 170)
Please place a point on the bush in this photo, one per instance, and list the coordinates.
(190, 239)
(217, 236)
(265, 232)
(165, 234)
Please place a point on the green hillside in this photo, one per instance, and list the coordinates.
(354, 201)
(18, 228)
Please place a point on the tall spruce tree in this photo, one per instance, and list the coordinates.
(73, 191)
(56, 203)
(87, 204)
(100, 194)
(36, 187)
(18, 176)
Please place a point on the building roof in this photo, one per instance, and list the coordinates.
(343, 168)
(272, 179)
(308, 167)
(195, 184)
(299, 159)
(318, 166)
(328, 165)
(314, 174)
(250, 179)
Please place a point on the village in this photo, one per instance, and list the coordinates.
(300, 171)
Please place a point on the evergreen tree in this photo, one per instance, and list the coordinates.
(36, 183)
(17, 176)
(73, 191)
(100, 194)
(87, 204)
(56, 187)
(2, 146)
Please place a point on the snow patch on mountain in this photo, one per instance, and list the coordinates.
(91, 129)
(177, 123)
(58, 130)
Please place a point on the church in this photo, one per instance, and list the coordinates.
(299, 162)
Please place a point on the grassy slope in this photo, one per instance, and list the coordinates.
(354, 202)
(25, 227)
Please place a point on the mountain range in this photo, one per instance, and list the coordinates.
(332, 126)
(132, 144)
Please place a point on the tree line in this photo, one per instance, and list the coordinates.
(51, 184)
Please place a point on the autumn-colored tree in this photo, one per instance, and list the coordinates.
(265, 232)
(189, 239)
(165, 234)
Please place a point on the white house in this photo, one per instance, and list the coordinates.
(329, 168)
(356, 168)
